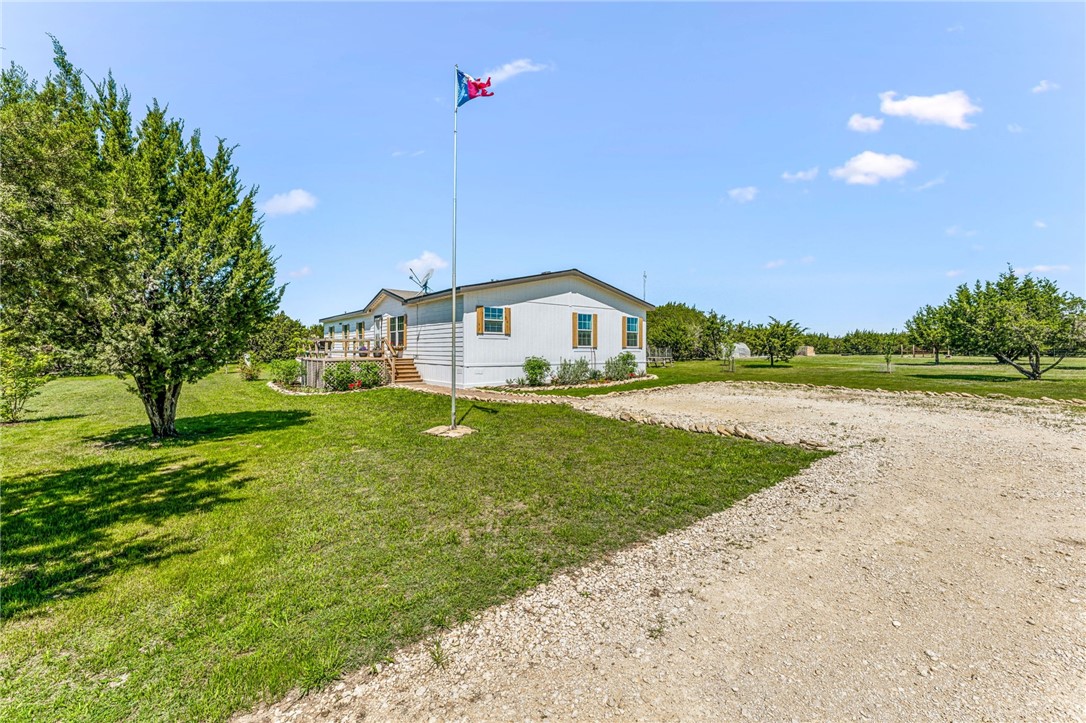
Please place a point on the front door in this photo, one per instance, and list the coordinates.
(397, 331)
(378, 331)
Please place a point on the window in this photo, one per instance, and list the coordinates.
(397, 331)
(584, 329)
(493, 320)
(633, 338)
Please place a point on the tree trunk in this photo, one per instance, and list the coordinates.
(936, 353)
(1027, 373)
(161, 406)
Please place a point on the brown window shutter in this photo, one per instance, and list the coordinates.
(575, 330)
(640, 333)
(478, 320)
(508, 321)
(405, 331)
(623, 330)
(595, 331)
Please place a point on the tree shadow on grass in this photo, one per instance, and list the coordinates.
(65, 532)
(208, 427)
(971, 377)
(767, 365)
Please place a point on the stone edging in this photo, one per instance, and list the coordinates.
(548, 387)
(295, 393)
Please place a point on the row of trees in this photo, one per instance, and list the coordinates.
(1017, 319)
(694, 334)
(124, 243)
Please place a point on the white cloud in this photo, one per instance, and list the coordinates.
(509, 70)
(957, 230)
(408, 154)
(808, 175)
(868, 168)
(1015, 128)
(976, 247)
(807, 260)
(1044, 86)
(427, 261)
(295, 201)
(300, 273)
(864, 124)
(745, 194)
(775, 264)
(954, 272)
(948, 109)
(1039, 224)
(1043, 269)
(955, 28)
(932, 183)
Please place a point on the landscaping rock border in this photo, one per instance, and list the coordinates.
(592, 385)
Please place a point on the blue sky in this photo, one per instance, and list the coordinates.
(836, 164)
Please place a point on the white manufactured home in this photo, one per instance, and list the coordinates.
(555, 315)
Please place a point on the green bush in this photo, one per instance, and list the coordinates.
(368, 374)
(285, 372)
(622, 366)
(249, 369)
(572, 372)
(344, 375)
(338, 376)
(22, 373)
(536, 370)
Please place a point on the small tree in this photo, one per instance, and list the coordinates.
(281, 338)
(22, 374)
(889, 344)
(777, 340)
(1018, 316)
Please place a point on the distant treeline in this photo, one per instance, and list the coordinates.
(694, 334)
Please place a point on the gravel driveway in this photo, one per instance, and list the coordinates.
(934, 568)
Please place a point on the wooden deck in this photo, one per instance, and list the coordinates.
(327, 350)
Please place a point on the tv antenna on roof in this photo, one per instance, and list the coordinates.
(424, 282)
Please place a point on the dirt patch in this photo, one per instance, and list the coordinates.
(934, 567)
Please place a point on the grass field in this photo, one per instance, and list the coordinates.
(969, 374)
(285, 539)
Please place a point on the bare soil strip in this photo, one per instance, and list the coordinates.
(934, 568)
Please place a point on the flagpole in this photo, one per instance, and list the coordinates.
(456, 105)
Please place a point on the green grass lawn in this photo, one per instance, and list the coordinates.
(285, 539)
(970, 374)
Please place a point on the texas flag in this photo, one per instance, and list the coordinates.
(468, 88)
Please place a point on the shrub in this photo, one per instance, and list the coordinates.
(572, 372)
(285, 372)
(338, 376)
(622, 366)
(341, 376)
(249, 368)
(369, 374)
(536, 369)
(22, 373)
